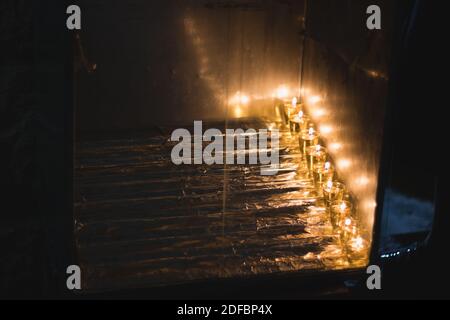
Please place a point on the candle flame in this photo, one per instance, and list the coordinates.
(348, 222)
(329, 184)
(343, 206)
(327, 166)
(282, 92)
(311, 131)
(239, 99)
(245, 99)
(358, 243)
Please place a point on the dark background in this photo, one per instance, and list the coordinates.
(36, 139)
(36, 142)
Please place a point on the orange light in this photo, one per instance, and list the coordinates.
(344, 164)
(237, 111)
(358, 243)
(294, 102)
(304, 91)
(348, 222)
(282, 92)
(240, 99)
(325, 129)
(336, 146)
(329, 184)
(318, 113)
(362, 181)
(244, 99)
(314, 100)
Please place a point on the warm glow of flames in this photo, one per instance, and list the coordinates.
(318, 113)
(282, 92)
(357, 243)
(244, 99)
(344, 164)
(336, 146)
(370, 204)
(240, 99)
(348, 222)
(314, 100)
(343, 206)
(311, 131)
(327, 166)
(329, 184)
(362, 181)
(304, 91)
(294, 102)
(326, 129)
(237, 111)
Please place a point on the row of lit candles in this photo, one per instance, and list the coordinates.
(337, 199)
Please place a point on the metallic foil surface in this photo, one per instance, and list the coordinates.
(142, 221)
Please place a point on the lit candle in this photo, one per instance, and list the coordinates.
(315, 154)
(308, 139)
(355, 245)
(299, 122)
(322, 172)
(282, 92)
(339, 211)
(333, 191)
(348, 227)
(290, 110)
(357, 249)
(294, 102)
